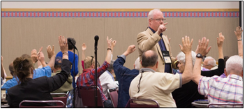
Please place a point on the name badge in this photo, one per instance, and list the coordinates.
(166, 57)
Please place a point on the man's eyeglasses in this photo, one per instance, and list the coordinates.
(158, 19)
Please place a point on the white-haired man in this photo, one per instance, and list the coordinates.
(217, 89)
(153, 39)
(208, 63)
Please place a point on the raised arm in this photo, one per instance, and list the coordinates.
(109, 52)
(186, 48)
(238, 34)
(41, 59)
(3, 74)
(221, 66)
(59, 79)
(202, 49)
(220, 41)
(84, 47)
(51, 55)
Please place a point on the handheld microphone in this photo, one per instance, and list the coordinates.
(96, 38)
(69, 40)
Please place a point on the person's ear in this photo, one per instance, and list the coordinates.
(242, 73)
(225, 72)
(157, 65)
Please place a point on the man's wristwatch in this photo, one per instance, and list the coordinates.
(199, 55)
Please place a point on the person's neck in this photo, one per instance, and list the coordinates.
(153, 68)
(71, 50)
(55, 70)
(232, 73)
(30, 76)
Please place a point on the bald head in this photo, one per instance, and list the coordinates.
(149, 58)
(209, 62)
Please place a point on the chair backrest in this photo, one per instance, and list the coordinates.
(62, 97)
(3, 95)
(87, 93)
(225, 105)
(114, 97)
(42, 101)
(132, 103)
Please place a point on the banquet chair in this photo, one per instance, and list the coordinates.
(60, 96)
(87, 93)
(225, 105)
(114, 97)
(35, 102)
(132, 103)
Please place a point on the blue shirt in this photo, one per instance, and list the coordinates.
(163, 48)
(124, 76)
(71, 59)
(45, 71)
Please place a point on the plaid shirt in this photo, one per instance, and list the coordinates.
(222, 90)
(88, 78)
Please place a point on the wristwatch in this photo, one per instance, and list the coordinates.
(199, 55)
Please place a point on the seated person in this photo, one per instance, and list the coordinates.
(208, 63)
(125, 76)
(88, 78)
(188, 93)
(45, 71)
(217, 89)
(150, 84)
(107, 80)
(39, 88)
(67, 86)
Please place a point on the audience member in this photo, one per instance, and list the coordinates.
(88, 78)
(45, 71)
(238, 34)
(39, 88)
(158, 86)
(124, 76)
(67, 86)
(217, 89)
(153, 39)
(107, 80)
(188, 93)
(71, 55)
(208, 63)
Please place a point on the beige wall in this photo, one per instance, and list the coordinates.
(21, 35)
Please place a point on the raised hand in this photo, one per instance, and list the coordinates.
(109, 42)
(220, 40)
(113, 43)
(84, 47)
(161, 28)
(63, 44)
(34, 55)
(41, 57)
(186, 48)
(238, 33)
(131, 49)
(202, 47)
(50, 51)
